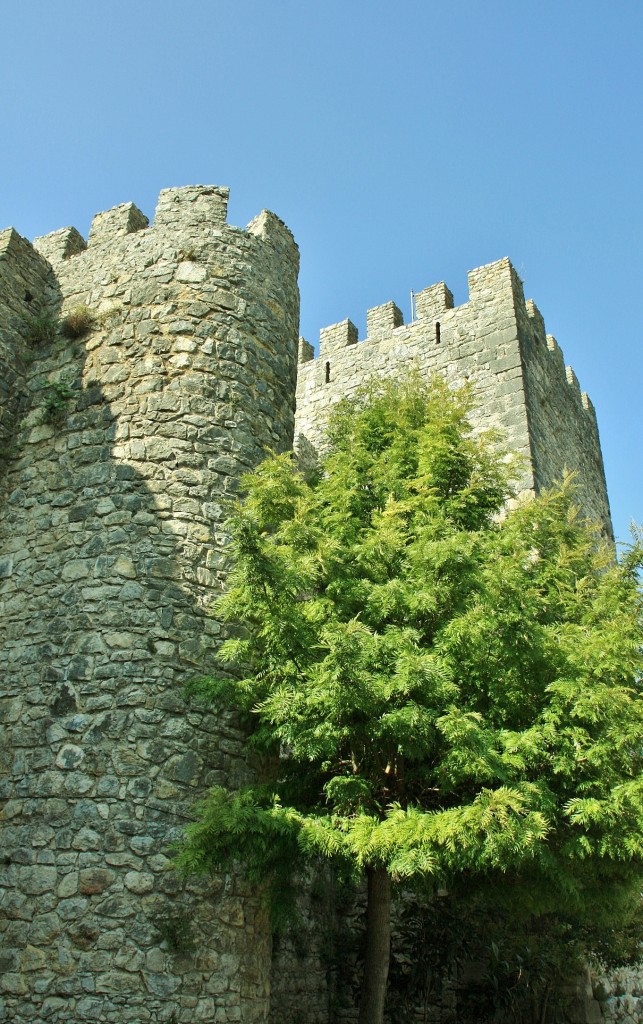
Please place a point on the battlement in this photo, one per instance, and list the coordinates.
(17, 256)
(497, 341)
(27, 291)
(436, 318)
(337, 336)
(269, 227)
(433, 301)
(121, 450)
(305, 351)
(120, 220)
(197, 211)
(60, 245)
(495, 282)
(27, 284)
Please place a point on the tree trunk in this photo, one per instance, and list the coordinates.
(378, 947)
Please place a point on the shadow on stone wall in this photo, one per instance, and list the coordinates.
(104, 595)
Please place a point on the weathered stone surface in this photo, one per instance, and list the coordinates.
(619, 994)
(112, 547)
(95, 880)
(107, 519)
(139, 881)
(37, 880)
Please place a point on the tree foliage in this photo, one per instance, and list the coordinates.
(449, 685)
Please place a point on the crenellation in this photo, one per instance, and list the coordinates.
(24, 273)
(305, 351)
(120, 220)
(271, 228)
(556, 351)
(336, 337)
(572, 380)
(588, 405)
(60, 245)
(382, 319)
(113, 545)
(192, 207)
(536, 318)
(497, 284)
(27, 292)
(432, 302)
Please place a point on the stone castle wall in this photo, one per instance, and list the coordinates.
(27, 288)
(118, 452)
(112, 548)
(497, 341)
(619, 994)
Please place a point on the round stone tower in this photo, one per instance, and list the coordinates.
(122, 439)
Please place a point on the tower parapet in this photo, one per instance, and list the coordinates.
(196, 206)
(112, 548)
(497, 341)
(60, 245)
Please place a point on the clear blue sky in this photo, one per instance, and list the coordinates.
(403, 143)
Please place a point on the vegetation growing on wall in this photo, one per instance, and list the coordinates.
(77, 323)
(41, 329)
(58, 394)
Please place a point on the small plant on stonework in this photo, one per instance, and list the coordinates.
(41, 329)
(57, 396)
(78, 323)
(176, 930)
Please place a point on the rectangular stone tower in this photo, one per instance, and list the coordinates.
(497, 341)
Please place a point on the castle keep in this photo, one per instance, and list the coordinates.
(118, 451)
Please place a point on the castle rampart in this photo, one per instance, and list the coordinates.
(121, 439)
(497, 341)
(124, 445)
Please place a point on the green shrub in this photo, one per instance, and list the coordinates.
(41, 328)
(57, 396)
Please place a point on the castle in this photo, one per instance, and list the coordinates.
(118, 449)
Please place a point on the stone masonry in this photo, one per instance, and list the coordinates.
(497, 341)
(118, 452)
(111, 550)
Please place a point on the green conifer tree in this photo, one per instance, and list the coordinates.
(445, 685)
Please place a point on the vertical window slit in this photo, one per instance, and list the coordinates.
(437, 333)
(327, 372)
